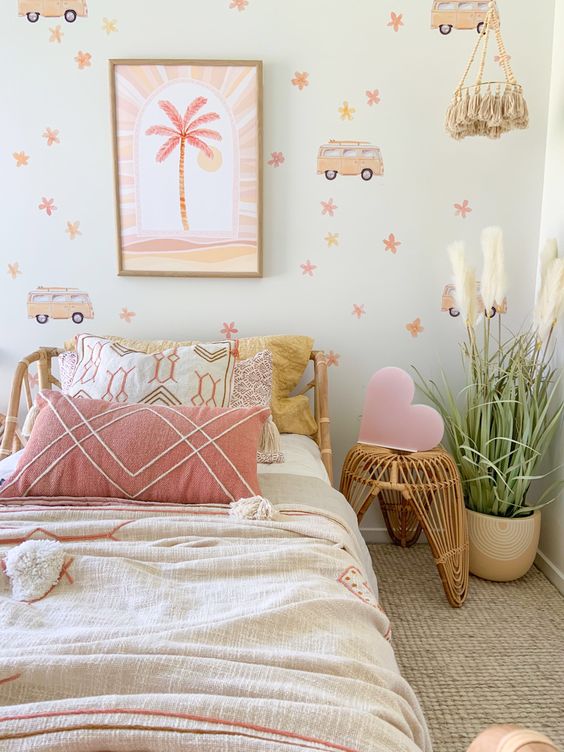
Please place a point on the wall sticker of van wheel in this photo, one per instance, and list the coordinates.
(46, 303)
(449, 303)
(349, 158)
(447, 15)
(67, 9)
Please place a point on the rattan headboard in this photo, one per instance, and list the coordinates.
(12, 440)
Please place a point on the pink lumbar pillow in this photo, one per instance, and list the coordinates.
(390, 420)
(188, 455)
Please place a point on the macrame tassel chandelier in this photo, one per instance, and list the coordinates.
(487, 108)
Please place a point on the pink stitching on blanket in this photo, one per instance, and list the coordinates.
(183, 716)
(353, 580)
(10, 679)
(66, 538)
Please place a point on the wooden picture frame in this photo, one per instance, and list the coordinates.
(187, 141)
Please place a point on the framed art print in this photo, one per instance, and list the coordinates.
(188, 167)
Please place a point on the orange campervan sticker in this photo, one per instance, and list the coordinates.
(46, 303)
(349, 158)
(70, 10)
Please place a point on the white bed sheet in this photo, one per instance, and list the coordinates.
(302, 457)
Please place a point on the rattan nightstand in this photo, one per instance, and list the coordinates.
(417, 491)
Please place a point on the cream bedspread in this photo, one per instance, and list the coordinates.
(181, 628)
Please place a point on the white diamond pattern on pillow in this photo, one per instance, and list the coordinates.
(197, 376)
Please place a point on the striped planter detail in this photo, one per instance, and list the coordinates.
(502, 548)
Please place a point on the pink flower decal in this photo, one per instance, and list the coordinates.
(21, 158)
(396, 20)
(300, 80)
(328, 207)
(14, 270)
(72, 230)
(358, 310)
(391, 244)
(461, 210)
(47, 205)
(56, 35)
(502, 58)
(415, 328)
(83, 60)
(239, 4)
(127, 315)
(333, 358)
(308, 268)
(277, 159)
(229, 330)
(372, 97)
(52, 136)
(33, 379)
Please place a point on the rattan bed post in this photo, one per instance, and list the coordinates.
(12, 439)
(321, 406)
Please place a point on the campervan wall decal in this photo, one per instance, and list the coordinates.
(46, 303)
(349, 158)
(449, 303)
(70, 10)
(447, 15)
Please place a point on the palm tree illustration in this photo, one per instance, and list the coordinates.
(185, 130)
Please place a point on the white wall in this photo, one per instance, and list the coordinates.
(347, 48)
(551, 557)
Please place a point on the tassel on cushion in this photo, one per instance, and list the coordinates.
(34, 567)
(270, 451)
(253, 508)
(29, 422)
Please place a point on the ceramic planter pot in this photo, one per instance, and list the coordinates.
(502, 548)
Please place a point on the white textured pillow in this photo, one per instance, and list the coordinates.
(252, 385)
(197, 376)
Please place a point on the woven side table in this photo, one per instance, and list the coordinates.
(417, 491)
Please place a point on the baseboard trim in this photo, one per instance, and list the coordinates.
(550, 571)
(375, 535)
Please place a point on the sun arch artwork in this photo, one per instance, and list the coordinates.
(187, 146)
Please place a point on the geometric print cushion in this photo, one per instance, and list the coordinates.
(252, 385)
(198, 375)
(94, 448)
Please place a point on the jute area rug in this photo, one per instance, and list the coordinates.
(498, 659)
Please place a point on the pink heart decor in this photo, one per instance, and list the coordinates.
(390, 420)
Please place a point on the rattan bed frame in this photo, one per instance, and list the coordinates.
(12, 439)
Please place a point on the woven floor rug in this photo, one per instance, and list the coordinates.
(498, 659)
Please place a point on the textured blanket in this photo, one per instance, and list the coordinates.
(181, 628)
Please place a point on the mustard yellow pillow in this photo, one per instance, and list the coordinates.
(290, 356)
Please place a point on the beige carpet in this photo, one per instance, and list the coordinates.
(498, 659)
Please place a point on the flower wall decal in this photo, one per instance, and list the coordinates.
(239, 4)
(300, 80)
(72, 230)
(127, 315)
(109, 25)
(372, 97)
(229, 329)
(396, 20)
(308, 268)
(52, 136)
(83, 60)
(358, 310)
(328, 207)
(414, 327)
(276, 159)
(391, 244)
(14, 270)
(21, 158)
(332, 238)
(461, 210)
(333, 358)
(56, 35)
(346, 111)
(47, 205)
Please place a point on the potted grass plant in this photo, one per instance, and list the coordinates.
(500, 426)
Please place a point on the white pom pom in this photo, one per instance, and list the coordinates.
(254, 508)
(34, 567)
